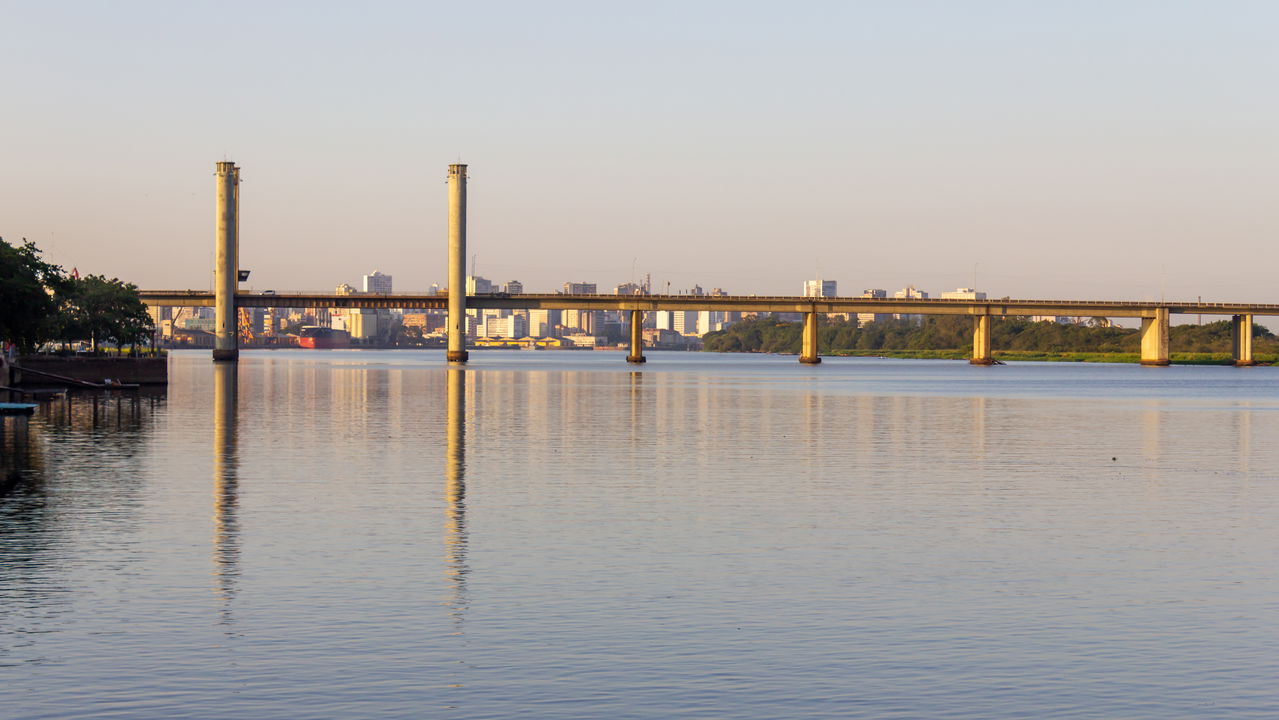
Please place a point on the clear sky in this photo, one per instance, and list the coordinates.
(1073, 149)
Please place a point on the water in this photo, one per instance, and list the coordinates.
(560, 535)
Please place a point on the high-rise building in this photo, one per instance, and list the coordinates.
(684, 322)
(581, 320)
(863, 318)
(910, 293)
(712, 320)
(476, 285)
(377, 283)
(514, 326)
(963, 294)
(576, 288)
(819, 288)
(541, 323)
(513, 287)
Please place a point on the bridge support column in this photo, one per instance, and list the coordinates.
(637, 338)
(981, 341)
(1241, 330)
(808, 355)
(1154, 338)
(226, 263)
(457, 264)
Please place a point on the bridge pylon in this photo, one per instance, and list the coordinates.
(226, 264)
(457, 264)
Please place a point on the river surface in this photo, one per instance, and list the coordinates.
(368, 534)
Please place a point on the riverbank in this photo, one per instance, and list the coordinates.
(54, 370)
(1039, 356)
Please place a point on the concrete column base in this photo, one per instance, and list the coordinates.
(811, 360)
(1154, 339)
(981, 361)
(1241, 334)
(457, 355)
(226, 355)
(636, 359)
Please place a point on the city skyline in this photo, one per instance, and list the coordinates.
(1089, 151)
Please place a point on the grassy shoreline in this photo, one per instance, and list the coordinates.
(1038, 356)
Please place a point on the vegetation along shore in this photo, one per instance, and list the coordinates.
(950, 337)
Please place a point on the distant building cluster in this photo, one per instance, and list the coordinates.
(194, 327)
(530, 328)
(587, 328)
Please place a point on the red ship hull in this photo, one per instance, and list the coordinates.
(324, 339)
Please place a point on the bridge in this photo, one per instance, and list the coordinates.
(226, 299)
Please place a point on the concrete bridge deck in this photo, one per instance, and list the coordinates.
(743, 303)
(1154, 315)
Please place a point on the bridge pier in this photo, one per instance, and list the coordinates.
(808, 355)
(981, 341)
(637, 338)
(1154, 338)
(457, 264)
(226, 263)
(1241, 332)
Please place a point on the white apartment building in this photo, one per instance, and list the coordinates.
(684, 322)
(910, 293)
(820, 288)
(377, 283)
(542, 322)
(513, 326)
(963, 294)
(863, 318)
(579, 288)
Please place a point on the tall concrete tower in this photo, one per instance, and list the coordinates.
(457, 263)
(226, 264)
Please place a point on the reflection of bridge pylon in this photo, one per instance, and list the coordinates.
(226, 529)
(455, 534)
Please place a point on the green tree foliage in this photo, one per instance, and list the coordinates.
(954, 332)
(1216, 337)
(98, 309)
(38, 303)
(28, 306)
(766, 334)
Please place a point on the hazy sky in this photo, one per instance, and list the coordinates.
(1096, 150)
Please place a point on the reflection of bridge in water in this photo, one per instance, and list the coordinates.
(226, 467)
(226, 299)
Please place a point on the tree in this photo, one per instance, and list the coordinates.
(28, 306)
(105, 310)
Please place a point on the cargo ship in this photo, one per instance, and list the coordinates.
(321, 338)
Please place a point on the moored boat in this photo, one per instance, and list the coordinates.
(314, 337)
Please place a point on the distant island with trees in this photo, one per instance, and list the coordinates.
(950, 337)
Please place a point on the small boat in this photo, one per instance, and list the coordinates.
(9, 408)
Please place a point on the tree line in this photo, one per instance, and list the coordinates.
(41, 303)
(955, 332)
